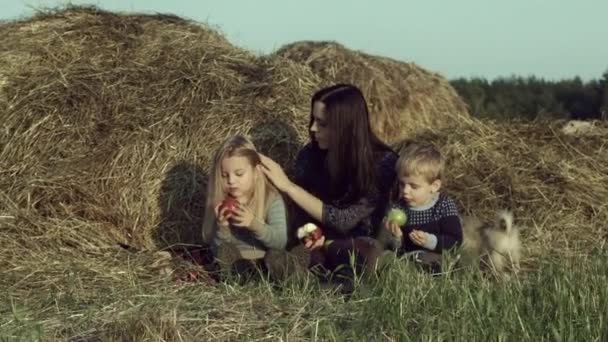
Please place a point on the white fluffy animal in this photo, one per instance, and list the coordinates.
(496, 245)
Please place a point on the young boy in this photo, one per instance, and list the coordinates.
(432, 217)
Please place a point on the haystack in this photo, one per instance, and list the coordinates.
(109, 122)
(403, 97)
(107, 125)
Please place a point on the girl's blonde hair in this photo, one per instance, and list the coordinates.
(263, 190)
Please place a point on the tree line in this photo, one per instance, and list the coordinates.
(531, 98)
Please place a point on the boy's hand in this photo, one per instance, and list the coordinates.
(393, 228)
(418, 237)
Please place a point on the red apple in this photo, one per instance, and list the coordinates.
(229, 204)
(310, 231)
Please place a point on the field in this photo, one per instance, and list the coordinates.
(114, 300)
(108, 122)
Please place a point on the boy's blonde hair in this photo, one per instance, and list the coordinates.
(422, 159)
(263, 190)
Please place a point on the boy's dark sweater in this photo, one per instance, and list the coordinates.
(440, 220)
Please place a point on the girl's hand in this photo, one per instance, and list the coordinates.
(418, 237)
(242, 217)
(393, 228)
(275, 173)
(223, 216)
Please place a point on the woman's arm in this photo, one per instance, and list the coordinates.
(305, 200)
(342, 219)
(339, 218)
(346, 218)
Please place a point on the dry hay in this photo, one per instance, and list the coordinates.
(109, 121)
(556, 184)
(403, 97)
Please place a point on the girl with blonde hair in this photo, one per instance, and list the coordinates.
(258, 222)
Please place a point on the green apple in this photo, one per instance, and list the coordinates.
(397, 215)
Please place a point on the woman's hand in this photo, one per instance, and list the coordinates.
(242, 217)
(314, 244)
(418, 237)
(275, 173)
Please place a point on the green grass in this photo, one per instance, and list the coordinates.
(563, 300)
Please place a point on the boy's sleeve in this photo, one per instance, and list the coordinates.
(273, 232)
(449, 226)
(431, 242)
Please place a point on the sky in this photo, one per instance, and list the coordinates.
(550, 39)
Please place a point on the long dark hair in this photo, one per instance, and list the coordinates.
(353, 147)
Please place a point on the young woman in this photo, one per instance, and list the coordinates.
(342, 178)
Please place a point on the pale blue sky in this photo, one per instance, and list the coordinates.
(552, 39)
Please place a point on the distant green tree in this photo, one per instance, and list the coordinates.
(473, 92)
(581, 100)
(533, 98)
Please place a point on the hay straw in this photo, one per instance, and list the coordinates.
(109, 122)
(103, 112)
(403, 97)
